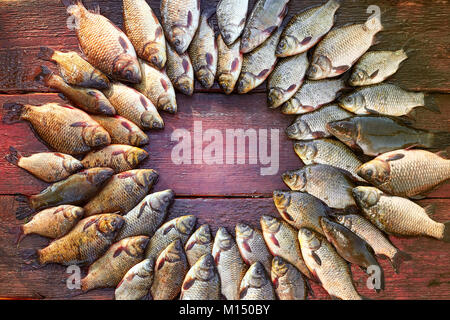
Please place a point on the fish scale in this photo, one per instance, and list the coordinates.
(180, 71)
(199, 244)
(122, 130)
(256, 284)
(229, 65)
(288, 281)
(136, 283)
(231, 17)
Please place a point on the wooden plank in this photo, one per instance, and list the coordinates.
(418, 25)
(214, 111)
(425, 277)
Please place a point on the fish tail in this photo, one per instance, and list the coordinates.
(440, 140)
(24, 210)
(374, 22)
(209, 12)
(46, 53)
(68, 3)
(13, 156)
(74, 7)
(31, 259)
(430, 103)
(20, 235)
(13, 112)
(398, 257)
(45, 75)
(446, 237)
(335, 3)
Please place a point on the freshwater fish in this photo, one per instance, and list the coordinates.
(231, 17)
(287, 281)
(137, 282)
(180, 71)
(122, 131)
(199, 244)
(229, 65)
(256, 284)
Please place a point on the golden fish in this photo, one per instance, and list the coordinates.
(105, 45)
(287, 281)
(231, 17)
(229, 65)
(137, 282)
(202, 281)
(122, 131)
(148, 215)
(47, 166)
(145, 32)
(109, 269)
(76, 190)
(64, 128)
(123, 192)
(74, 69)
(157, 87)
(229, 264)
(399, 216)
(180, 20)
(180, 71)
(170, 269)
(86, 242)
(256, 284)
(134, 106)
(199, 244)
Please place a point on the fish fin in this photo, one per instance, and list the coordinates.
(418, 196)
(341, 69)
(398, 257)
(446, 237)
(430, 209)
(62, 96)
(440, 140)
(13, 112)
(14, 156)
(430, 104)
(395, 157)
(23, 211)
(316, 258)
(46, 53)
(19, 235)
(44, 75)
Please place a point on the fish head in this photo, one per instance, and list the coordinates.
(293, 106)
(344, 130)
(186, 224)
(95, 136)
(295, 179)
(152, 53)
(180, 40)
(105, 107)
(246, 82)
(134, 156)
(225, 240)
(100, 80)
(226, 82)
(345, 220)
(109, 225)
(136, 245)
(138, 138)
(376, 171)
(167, 103)
(330, 228)
(274, 97)
(279, 267)
(186, 85)
(146, 177)
(358, 77)
(286, 46)
(204, 234)
(127, 68)
(307, 151)
(320, 68)
(173, 253)
(205, 268)
(229, 33)
(72, 165)
(270, 224)
(205, 76)
(298, 130)
(148, 265)
(353, 102)
(73, 213)
(152, 120)
(244, 231)
(257, 275)
(366, 197)
(97, 176)
(309, 239)
(282, 199)
(160, 201)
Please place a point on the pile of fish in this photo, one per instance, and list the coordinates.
(99, 210)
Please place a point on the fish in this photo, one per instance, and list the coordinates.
(300, 209)
(326, 264)
(406, 173)
(199, 244)
(122, 131)
(258, 65)
(314, 125)
(137, 282)
(66, 129)
(109, 270)
(331, 185)
(231, 18)
(349, 245)
(286, 79)
(47, 166)
(180, 71)
(312, 95)
(330, 152)
(202, 281)
(256, 284)
(90, 100)
(122, 192)
(74, 69)
(178, 228)
(287, 280)
(203, 51)
(265, 18)
(180, 20)
(374, 237)
(230, 265)
(170, 269)
(157, 87)
(134, 106)
(387, 99)
(281, 239)
(76, 189)
(376, 66)
(53, 222)
(307, 28)
(148, 215)
(229, 65)
(145, 32)
(85, 243)
(115, 156)
(399, 216)
(252, 246)
(341, 48)
(363, 134)
(106, 46)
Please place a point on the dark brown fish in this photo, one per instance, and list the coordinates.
(122, 131)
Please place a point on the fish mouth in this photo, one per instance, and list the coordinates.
(106, 109)
(226, 82)
(274, 98)
(166, 104)
(206, 78)
(292, 131)
(245, 83)
(149, 121)
(144, 243)
(185, 85)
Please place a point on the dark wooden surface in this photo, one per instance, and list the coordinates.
(220, 195)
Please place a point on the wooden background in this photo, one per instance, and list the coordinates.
(220, 195)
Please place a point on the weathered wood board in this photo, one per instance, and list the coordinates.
(218, 194)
